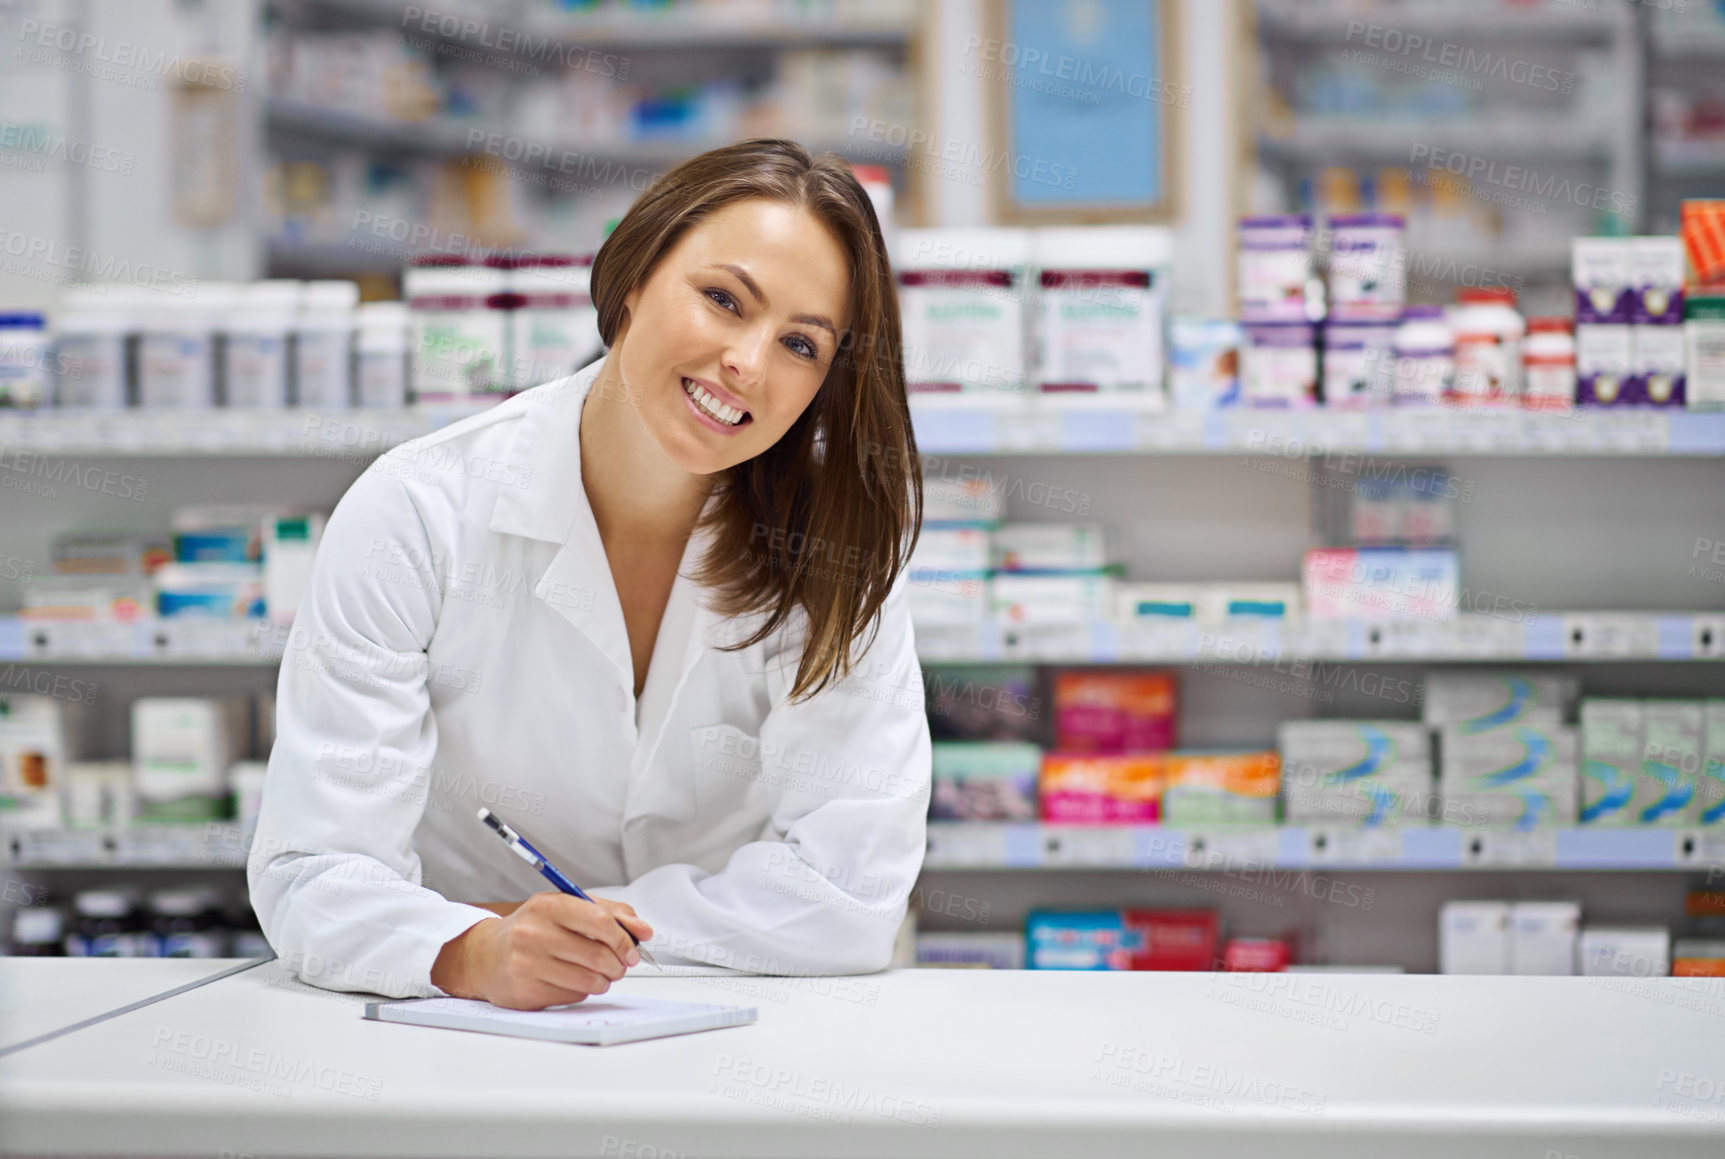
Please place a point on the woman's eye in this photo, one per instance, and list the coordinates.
(804, 347)
(716, 295)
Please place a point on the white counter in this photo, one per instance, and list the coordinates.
(37, 999)
(911, 1063)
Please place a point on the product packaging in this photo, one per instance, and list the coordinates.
(1275, 267)
(1099, 309)
(289, 547)
(1548, 365)
(1368, 267)
(1625, 952)
(962, 303)
(32, 761)
(1710, 787)
(1603, 272)
(1611, 753)
(459, 329)
(1702, 229)
(554, 326)
(1424, 357)
(1172, 939)
(90, 340)
(1041, 598)
(1520, 776)
(1380, 583)
(1704, 350)
(971, 500)
(951, 549)
(947, 599)
(984, 702)
(1097, 789)
(970, 949)
(1656, 269)
(1370, 773)
(381, 372)
(323, 345)
(256, 350)
(1473, 937)
(1204, 362)
(109, 923)
(1040, 547)
(1093, 940)
(25, 361)
(1604, 364)
(984, 781)
(182, 748)
(1480, 701)
(1257, 955)
(1359, 363)
(1671, 736)
(1658, 364)
(1220, 789)
(1279, 365)
(1542, 937)
(1110, 711)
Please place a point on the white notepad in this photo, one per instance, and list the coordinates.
(595, 1022)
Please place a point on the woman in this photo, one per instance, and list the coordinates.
(653, 613)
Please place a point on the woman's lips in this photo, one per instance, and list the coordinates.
(708, 420)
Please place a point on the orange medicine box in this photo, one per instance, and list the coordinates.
(1098, 789)
(1221, 789)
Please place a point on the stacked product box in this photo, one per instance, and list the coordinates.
(947, 582)
(1355, 772)
(1381, 583)
(970, 949)
(1204, 789)
(1653, 762)
(1208, 604)
(1133, 939)
(1278, 359)
(1111, 729)
(983, 702)
(1502, 937)
(984, 781)
(1050, 573)
(1629, 321)
(1505, 757)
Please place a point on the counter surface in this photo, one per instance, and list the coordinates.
(909, 1063)
(36, 999)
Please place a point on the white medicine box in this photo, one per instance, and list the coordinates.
(1473, 937)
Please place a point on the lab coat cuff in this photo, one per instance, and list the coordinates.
(459, 919)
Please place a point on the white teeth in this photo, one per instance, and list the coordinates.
(704, 399)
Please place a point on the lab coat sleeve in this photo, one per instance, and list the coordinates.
(332, 870)
(849, 770)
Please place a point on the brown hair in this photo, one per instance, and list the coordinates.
(825, 518)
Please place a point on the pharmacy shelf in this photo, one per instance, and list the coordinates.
(1333, 139)
(209, 845)
(1441, 25)
(1251, 854)
(447, 136)
(1677, 42)
(498, 31)
(945, 425)
(957, 424)
(187, 640)
(1285, 650)
(352, 436)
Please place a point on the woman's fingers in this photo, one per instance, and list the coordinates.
(595, 924)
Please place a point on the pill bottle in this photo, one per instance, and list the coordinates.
(1548, 365)
(109, 925)
(186, 923)
(177, 348)
(1488, 336)
(1279, 365)
(1099, 309)
(962, 305)
(1275, 267)
(1425, 357)
(554, 328)
(90, 338)
(255, 346)
(459, 331)
(380, 356)
(1368, 267)
(1359, 363)
(24, 350)
(323, 345)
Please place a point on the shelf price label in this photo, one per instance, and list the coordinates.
(1334, 845)
(1491, 847)
(1701, 848)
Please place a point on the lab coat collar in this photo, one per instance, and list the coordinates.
(552, 505)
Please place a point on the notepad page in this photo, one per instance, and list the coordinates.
(591, 1014)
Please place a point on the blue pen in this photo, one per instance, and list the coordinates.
(550, 872)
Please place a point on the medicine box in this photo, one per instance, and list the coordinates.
(982, 781)
(1174, 939)
(1099, 711)
(1099, 789)
(969, 499)
(1473, 937)
(1625, 952)
(1658, 365)
(1158, 603)
(1666, 791)
(1604, 364)
(1521, 776)
(1542, 936)
(951, 549)
(1381, 583)
(947, 599)
(1704, 350)
(1710, 788)
(970, 948)
(1476, 701)
(1611, 748)
(1029, 547)
(181, 750)
(1603, 271)
(1373, 773)
(1657, 277)
(1092, 940)
(997, 702)
(1224, 788)
(1221, 602)
(1049, 599)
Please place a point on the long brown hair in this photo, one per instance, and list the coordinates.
(824, 519)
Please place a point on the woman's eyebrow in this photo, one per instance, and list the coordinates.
(742, 276)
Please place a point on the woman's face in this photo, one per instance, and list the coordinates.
(732, 333)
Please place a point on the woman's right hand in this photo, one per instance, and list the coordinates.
(549, 950)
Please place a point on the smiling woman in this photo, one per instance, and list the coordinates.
(702, 697)
(771, 361)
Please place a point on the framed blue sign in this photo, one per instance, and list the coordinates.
(1086, 105)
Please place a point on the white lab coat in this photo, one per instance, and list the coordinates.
(461, 644)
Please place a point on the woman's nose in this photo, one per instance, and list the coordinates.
(748, 355)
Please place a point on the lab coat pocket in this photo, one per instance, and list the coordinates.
(728, 771)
